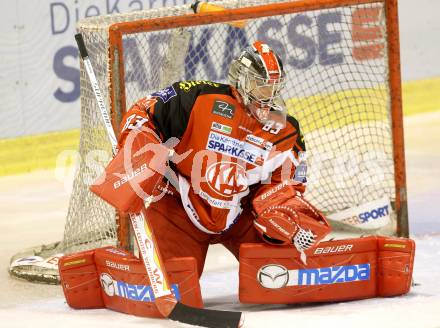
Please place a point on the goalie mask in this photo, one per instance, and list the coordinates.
(259, 77)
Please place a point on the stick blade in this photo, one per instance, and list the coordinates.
(206, 318)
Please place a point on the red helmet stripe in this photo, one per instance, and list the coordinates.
(270, 61)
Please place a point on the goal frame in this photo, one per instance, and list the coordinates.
(92, 223)
(117, 75)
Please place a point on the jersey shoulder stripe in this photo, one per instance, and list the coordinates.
(292, 121)
(299, 143)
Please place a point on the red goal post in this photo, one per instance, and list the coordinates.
(344, 87)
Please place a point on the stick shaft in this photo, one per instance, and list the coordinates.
(97, 91)
(142, 231)
(150, 256)
(164, 299)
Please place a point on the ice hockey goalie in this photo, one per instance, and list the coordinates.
(235, 166)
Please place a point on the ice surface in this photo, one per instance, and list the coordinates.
(32, 209)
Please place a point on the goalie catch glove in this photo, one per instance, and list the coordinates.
(284, 217)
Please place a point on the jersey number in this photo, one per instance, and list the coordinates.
(272, 127)
(138, 122)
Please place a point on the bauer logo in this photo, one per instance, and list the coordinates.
(273, 276)
(117, 266)
(333, 249)
(130, 176)
(122, 289)
(272, 191)
(223, 108)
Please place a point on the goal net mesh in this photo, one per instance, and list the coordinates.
(337, 88)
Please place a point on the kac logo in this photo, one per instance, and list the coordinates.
(273, 276)
(226, 178)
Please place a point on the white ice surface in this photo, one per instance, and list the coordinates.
(32, 210)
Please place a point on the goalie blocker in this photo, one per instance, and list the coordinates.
(336, 270)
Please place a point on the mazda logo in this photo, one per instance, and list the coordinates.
(107, 284)
(273, 276)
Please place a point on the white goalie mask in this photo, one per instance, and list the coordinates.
(258, 76)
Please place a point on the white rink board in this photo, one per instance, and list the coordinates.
(39, 79)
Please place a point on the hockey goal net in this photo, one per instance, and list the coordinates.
(342, 64)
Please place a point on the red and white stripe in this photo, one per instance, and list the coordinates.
(268, 58)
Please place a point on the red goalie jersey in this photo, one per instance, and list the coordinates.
(222, 151)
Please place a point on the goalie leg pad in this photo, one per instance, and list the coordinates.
(336, 271)
(80, 280)
(111, 278)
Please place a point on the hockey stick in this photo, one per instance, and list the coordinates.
(165, 301)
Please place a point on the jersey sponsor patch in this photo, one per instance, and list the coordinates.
(267, 145)
(165, 94)
(247, 152)
(223, 108)
(245, 129)
(226, 178)
(221, 128)
(218, 203)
